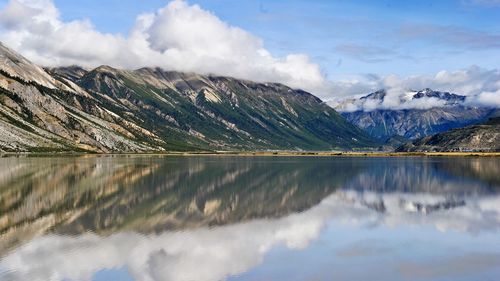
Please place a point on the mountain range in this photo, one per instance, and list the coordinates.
(151, 110)
(417, 114)
(107, 110)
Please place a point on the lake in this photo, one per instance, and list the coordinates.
(249, 218)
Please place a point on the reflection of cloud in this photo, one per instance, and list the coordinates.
(219, 252)
(364, 248)
(476, 215)
(214, 253)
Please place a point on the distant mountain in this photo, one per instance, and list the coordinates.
(414, 117)
(451, 99)
(112, 110)
(483, 137)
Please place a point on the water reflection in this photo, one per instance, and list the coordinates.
(202, 218)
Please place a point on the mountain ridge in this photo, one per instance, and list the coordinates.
(150, 109)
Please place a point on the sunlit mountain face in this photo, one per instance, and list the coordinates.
(108, 110)
(234, 218)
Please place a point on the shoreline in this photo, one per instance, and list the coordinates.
(260, 154)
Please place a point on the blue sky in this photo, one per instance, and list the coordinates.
(343, 37)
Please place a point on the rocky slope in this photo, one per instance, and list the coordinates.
(410, 122)
(483, 137)
(41, 113)
(112, 110)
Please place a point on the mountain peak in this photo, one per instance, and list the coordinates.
(447, 96)
(16, 65)
(150, 69)
(105, 69)
(72, 72)
(377, 95)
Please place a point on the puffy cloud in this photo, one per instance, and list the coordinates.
(487, 98)
(186, 37)
(480, 86)
(179, 37)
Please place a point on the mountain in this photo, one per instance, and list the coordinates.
(73, 72)
(414, 116)
(17, 66)
(484, 137)
(149, 109)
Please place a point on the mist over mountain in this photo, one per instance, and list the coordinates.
(412, 114)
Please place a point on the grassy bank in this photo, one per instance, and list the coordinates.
(270, 154)
(347, 154)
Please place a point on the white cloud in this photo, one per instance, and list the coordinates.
(179, 37)
(480, 86)
(188, 38)
(487, 98)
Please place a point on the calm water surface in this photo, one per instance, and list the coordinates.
(227, 218)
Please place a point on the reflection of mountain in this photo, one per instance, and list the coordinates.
(448, 176)
(104, 195)
(194, 193)
(109, 194)
(485, 170)
(229, 250)
(232, 211)
(394, 186)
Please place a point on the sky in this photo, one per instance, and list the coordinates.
(333, 48)
(344, 37)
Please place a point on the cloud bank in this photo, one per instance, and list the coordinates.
(187, 38)
(480, 86)
(180, 37)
